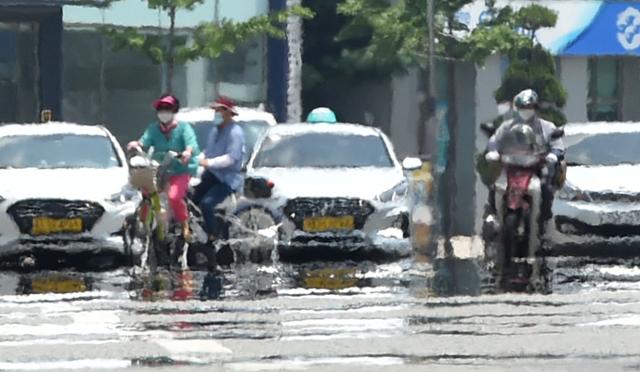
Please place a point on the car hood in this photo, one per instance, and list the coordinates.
(363, 183)
(620, 179)
(76, 184)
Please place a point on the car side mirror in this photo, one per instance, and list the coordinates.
(557, 133)
(411, 164)
(488, 128)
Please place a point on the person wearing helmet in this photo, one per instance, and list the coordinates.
(526, 104)
(321, 115)
(167, 134)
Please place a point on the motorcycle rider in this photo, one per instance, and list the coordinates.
(167, 134)
(526, 104)
(223, 159)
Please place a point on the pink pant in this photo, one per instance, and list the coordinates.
(178, 186)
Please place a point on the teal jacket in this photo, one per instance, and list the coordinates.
(181, 137)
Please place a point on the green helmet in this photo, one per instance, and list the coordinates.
(321, 115)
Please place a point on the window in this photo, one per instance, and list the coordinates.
(604, 103)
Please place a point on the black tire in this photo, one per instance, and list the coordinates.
(152, 258)
(509, 237)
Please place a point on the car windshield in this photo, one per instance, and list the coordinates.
(57, 151)
(323, 150)
(603, 149)
(252, 131)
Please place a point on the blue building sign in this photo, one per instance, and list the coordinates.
(615, 30)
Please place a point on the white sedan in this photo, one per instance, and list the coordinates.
(598, 210)
(333, 186)
(64, 190)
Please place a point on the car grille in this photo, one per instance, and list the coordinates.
(574, 227)
(25, 211)
(297, 209)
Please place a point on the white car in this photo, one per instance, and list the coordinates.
(333, 186)
(65, 189)
(598, 209)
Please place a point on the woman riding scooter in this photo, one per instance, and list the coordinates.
(167, 134)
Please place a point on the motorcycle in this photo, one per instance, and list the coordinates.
(513, 231)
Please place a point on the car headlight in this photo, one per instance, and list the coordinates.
(127, 194)
(399, 191)
(572, 193)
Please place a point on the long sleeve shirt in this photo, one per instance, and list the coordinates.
(178, 139)
(225, 152)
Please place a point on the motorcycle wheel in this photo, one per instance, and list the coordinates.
(510, 237)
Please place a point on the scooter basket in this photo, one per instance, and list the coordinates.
(144, 178)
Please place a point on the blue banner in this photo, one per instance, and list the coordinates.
(614, 31)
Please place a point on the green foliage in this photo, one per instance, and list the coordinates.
(209, 39)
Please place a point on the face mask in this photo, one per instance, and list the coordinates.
(165, 116)
(503, 108)
(526, 114)
(218, 119)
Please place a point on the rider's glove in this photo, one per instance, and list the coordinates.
(492, 156)
(551, 158)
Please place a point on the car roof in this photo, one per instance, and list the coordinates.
(199, 114)
(601, 128)
(339, 128)
(52, 128)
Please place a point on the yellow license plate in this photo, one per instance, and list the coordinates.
(57, 285)
(318, 224)
(46, 225)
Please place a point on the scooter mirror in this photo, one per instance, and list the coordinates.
(488, 128)
(557, 133)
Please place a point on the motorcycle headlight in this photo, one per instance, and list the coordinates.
(127, 194)
(399, 191)
(572, 193)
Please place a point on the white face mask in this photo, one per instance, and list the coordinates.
(503, 108)
(165, 117)
(218, 119)
(526, 114)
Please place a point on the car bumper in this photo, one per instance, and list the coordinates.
(591, 227)
(105, 235)
(63, 244)
(381, 234)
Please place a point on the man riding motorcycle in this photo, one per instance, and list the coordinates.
(526, 104)
(167, 134)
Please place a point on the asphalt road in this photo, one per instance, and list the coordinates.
(339, 317)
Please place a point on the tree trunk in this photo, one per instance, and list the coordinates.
(171, 49)
(294, 43)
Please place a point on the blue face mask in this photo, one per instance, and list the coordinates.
(217, 119)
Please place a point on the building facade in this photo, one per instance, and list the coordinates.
(54, 55)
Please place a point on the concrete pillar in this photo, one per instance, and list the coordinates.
(574, 76)
(488, 79)
(404, 113)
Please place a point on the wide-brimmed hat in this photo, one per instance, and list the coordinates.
(224, 103)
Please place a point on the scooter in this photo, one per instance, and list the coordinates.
(513, 233)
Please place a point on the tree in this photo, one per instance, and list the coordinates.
(531, 66)
(208, 40)
(397, 41)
